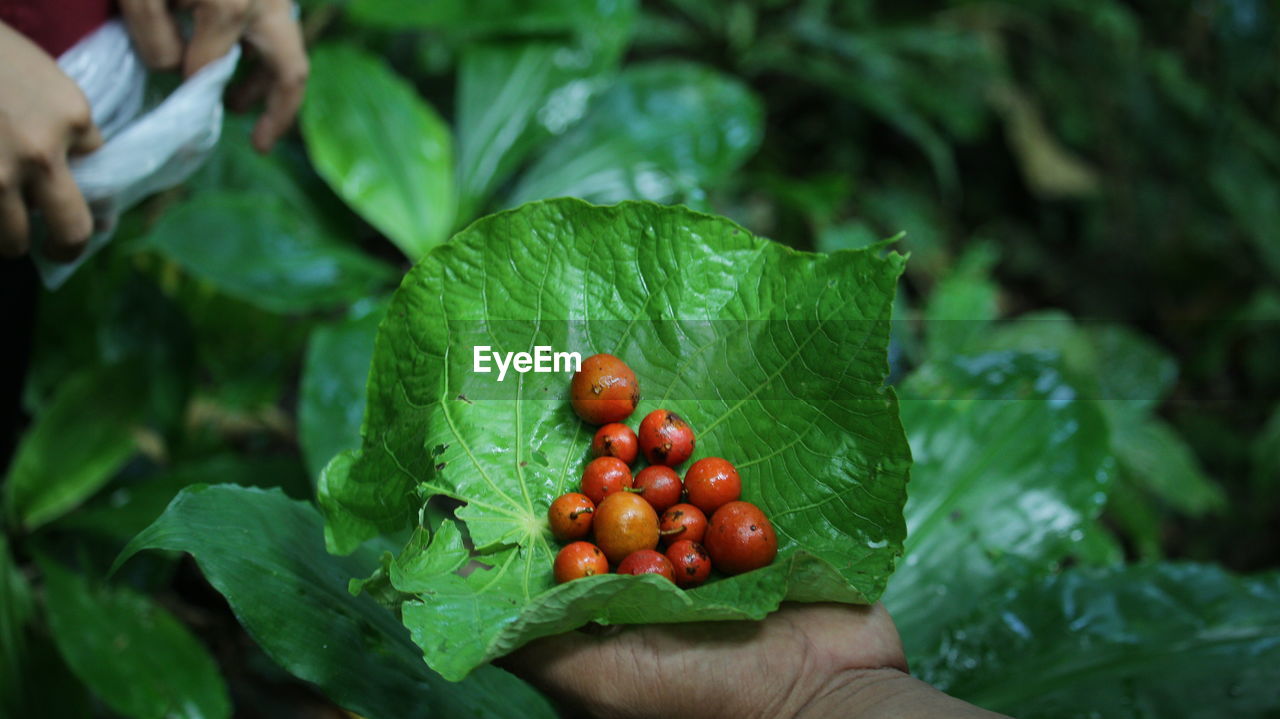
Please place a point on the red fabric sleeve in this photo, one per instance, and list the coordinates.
(55, 25)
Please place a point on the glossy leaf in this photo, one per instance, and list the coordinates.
(1011, 469)
(663, 132)
(82, 437)
(775, 357)
(265, 554)
(132, 654)
(1167, 640)
(258, 251)
(380, 146)
(333, 384)
(513, 96)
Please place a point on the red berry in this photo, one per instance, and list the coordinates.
(604, 476)
(660, 486)
(615, 440)
(690, 562)
(665, 438)
(646, 561)
(604, 390)
(570, 516)
(625, 523)
(580, 559)
(683, 521)
(740, 538)
(712, 482)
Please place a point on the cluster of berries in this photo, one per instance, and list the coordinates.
(627, 517)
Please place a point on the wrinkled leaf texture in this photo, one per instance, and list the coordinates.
(776, 357)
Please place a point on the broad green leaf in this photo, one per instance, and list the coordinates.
(513, 96)
(265, 553)
(380, 146)
(77, 443)
(132, 654)
(333, 384)
(1011, 469)
(476, 17)
(15, 612)
(663, 132)
(1156, 640)
(775, 357)
(259, 251)
(1130, 376)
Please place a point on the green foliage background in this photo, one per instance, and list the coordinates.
(1084, 343)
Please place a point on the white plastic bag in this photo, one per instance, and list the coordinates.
(148, 147)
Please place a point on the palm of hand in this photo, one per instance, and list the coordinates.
(770, 668)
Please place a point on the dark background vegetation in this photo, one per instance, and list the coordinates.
(1059, 167)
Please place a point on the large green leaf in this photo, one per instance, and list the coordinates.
(663, 132)
(265, 553)
(380, 147)
(133, 654)
(1130, 376)
(1159, 640)
(512, 96)
(78, 441)
(333, 384)
(258, 250)
(1011, 469)
(775, 357)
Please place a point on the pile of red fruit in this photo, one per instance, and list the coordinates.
(628, 517)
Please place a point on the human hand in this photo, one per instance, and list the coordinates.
(43, 117)
(772, 668)
(267, 27)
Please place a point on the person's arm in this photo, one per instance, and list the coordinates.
(806, 661)
(43, 117)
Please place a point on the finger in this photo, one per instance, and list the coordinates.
(278, 40)
(86, 141)
(13, 222)
(154, 32)
(67, 216)
(218, 26)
